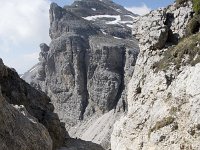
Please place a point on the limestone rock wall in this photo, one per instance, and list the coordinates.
(163, 106)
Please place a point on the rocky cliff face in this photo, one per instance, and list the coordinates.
(163, 94)
(19, 130)
(87, 66)
(27, 118)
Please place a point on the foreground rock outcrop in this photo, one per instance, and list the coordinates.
(87, 66)
(27, 115)
(19, 130)
(163, 94)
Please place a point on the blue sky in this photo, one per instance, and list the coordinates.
(153, 4)
(26, 24)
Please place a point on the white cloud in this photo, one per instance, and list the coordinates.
(140, 10)
(24, 25)
(31, 56)
(23, 62)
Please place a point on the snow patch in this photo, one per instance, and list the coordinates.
(101, 16)
(33, 69)
(103, 32)
(129, 25)
(117, 37)
(94, 9)
(117, 19)
(130, 16)
(118, 10)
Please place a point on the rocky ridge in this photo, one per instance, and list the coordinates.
(27, 115)
(163, 104)
(87, 66)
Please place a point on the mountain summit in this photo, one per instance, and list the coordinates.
(86, 8)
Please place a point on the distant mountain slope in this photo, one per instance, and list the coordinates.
(86, 67)
(86, 8)
(110, 17)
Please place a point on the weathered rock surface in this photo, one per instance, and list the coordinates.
(162, 27)
(21, 131)
(163, 106)
(15, 91)
(87, 65)
(151, 29)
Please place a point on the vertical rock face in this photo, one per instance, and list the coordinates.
(163, 100)
(87, 64)
(15, 91)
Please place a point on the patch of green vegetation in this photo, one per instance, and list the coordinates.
(193, 25)
(188, 50)
(160, 124)
(174, 110)
(196, 6)
(180, 3)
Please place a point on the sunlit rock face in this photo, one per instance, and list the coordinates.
(163, 103)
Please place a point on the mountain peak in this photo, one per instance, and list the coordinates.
(86, 8)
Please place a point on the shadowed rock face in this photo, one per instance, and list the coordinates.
(86, 67)
(15, 91)
(19, 130)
